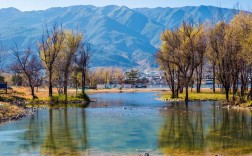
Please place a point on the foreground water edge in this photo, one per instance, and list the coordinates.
(131, 123)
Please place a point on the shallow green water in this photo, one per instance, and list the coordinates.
(130, 123)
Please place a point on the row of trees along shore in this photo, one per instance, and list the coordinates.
(226, 46)
(61, 53)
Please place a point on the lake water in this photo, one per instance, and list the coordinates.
(130, 124)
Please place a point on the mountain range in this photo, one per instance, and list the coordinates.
(119, 36)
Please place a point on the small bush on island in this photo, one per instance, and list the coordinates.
(58, 99)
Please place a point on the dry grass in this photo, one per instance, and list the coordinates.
(8, 111)
(42, 93)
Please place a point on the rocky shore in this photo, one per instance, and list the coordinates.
(9, 112)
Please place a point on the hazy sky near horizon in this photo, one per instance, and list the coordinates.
(27, 5)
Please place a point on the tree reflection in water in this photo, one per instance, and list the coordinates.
(62, 135)
(182, 130)
(230, 132)
(190, 132)
(33, 135)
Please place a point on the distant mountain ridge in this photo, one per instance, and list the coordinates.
(119, 36)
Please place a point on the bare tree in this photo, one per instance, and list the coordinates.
(189, 53)
(49, 49)
(2, 57)
(118, 75)
(182, 51)
(219, 45)
(201, 44)
(82, 61)
(29, 65)
(212, 51)
(166, 58)
(71, 46)
(58, 77)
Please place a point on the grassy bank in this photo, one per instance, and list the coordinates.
(42, 93)
(14, 103)
(194, 96)
(207, 95)
(11, 112)
(58, 99)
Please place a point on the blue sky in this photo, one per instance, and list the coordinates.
(26, 5)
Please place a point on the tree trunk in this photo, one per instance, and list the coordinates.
(198, 87)
(83, 84)
(177, 87)
(214, 78)
(181, 89)
(65, 86)
(76, 87)
(199, 78)
(65, 93)
(249, 96)
(84, 81)
(50, 85)
(234, 91)
(243, 87)
(177, 93)
(76, 83)
(33, 94)
(250, 93)
(173, 89)
(227, 93)
(186, 97)
(174, 92)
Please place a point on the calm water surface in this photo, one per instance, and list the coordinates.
(130, 123)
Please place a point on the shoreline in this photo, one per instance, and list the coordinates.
(164, 93)
(208, 96)
(21, 112)
(42, 93)
(127, 90)
(11, 112)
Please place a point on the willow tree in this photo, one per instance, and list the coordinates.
(118, 75)
(201, 49)
(50, 47)
(168, 59)
(180, 54)
(233, 47)
(212, 52)
(242, 24)
(72, 43)
(224, 45)
(190, 52)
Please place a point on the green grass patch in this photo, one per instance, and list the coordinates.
(194, 96)
(247, 103)
(57, 99)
